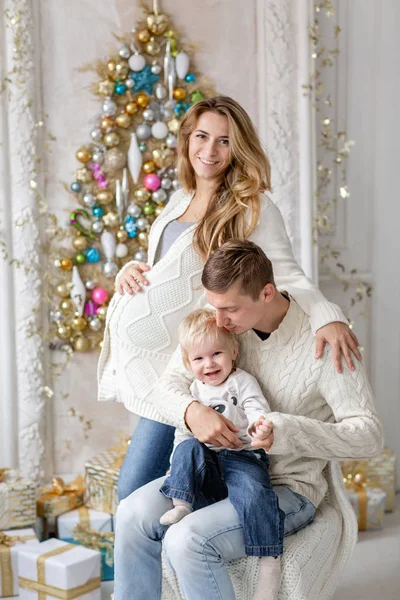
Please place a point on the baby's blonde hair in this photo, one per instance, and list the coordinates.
(199, 325)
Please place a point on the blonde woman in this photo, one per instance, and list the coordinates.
(225, 175)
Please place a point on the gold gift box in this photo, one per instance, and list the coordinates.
(379, 471)
(17, 501)
(101, 476)
(368, 504)
(60, 498)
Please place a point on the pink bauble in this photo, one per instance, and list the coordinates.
(152, 182)
(100, 295)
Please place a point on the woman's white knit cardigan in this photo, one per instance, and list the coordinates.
(313, 558)
(141, 330)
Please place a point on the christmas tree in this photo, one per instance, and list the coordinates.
(125, 176)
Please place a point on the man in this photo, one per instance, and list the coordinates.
(317, 415)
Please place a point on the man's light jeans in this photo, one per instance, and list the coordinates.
(197, 547)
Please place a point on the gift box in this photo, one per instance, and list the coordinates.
(379, 471)
(60, 497)
(92, 529)
(55, 569)
(17, 500)
(10, 541)
(368, 502)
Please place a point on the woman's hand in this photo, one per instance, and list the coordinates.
(209, 426)
(262, 433)
(342, 340)
(132, 278)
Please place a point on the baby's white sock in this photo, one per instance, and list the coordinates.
(269, 578)
(181, 509)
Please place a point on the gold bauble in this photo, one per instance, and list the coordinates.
(157, 23)
(123, 120)
(142, 100)
(163, 157)
(104, 197)
(81, 343)
(114, 160)
(153, 47)
(173, 125)
(149, 166)
(131, 108)
(158, 210)
(179, 93)
(111, 219)
(79, 243)
(78, 323)
(122, 236)
(102, 313)
(107, 124)
(118, 69)
(84, 175)
(84, 155)
(142, 194)
(67, 307)
(66, 264)
(64, 332)
(143, 239)
(359, 478)
(111, 139)
(143, 36)
(106, 88)
(62, 290)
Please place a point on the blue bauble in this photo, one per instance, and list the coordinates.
(120, 89)
(76, 186)
(130, 227)
(98, 211)
(190, 77)
(142, 147)
(186, 107)
(93, 255)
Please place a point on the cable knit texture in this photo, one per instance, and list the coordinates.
(141, 330)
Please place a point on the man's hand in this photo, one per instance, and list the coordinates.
(262, 433)
(209, 426)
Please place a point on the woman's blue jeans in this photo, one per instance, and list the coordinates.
(147, 457)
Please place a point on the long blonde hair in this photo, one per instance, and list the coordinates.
(239, 187)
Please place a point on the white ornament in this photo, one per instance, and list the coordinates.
(137, 62)
(108, 243)
(109, 107)
(124, 52)
(121, 250)
(78, 291)
(160, 91)
(141, 256)
(182, 63)
(135, 158)
(142, 224)
(159, 130)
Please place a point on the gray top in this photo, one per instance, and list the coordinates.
(171, 233)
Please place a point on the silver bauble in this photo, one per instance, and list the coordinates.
(171, 140)
(166, 183)
(143, 131)
(95, 324)
(171, 172)
(148, 114)
(176, 185)
(98, 157)
(129, 83)
(124, 52)
(97, 226)
(109, 107)
(141, 256)
(161, 91)
(156, 68)
(57, 316)
(134, 210)
(142, 223)
(96, 134)
(110, 269)
(159, 196)
(90, 284)
(89, 200)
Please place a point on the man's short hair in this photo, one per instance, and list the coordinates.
(199, 325)
(238, 262)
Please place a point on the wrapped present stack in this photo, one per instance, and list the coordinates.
(56, 500)
(56, 569)
(371, 487)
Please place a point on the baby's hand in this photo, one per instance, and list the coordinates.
(261, 429)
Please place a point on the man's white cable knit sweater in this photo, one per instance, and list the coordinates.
(141, 330)
(317, 414)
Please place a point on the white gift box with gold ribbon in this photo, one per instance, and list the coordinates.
(55, 569)
(10, 543)
(87, 517)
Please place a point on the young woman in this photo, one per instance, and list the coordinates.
(225, 175)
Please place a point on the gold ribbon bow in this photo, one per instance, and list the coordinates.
(58, 490)
(6, 542)
(96, 540)
(358, 482)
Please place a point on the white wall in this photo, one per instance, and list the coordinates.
(366, 89)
